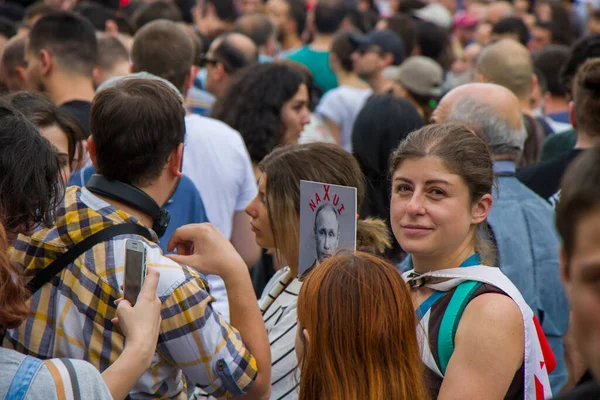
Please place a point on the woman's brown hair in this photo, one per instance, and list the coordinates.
(318, 162)
(38, 109)
(465, 155)
(362, 332)
(13, 296)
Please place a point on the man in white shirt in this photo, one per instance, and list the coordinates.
(215, 157)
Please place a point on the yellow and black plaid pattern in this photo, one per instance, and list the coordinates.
(71, 316)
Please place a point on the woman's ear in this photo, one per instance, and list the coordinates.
(306, 335)
(481, 209)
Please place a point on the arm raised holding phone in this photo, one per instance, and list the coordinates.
(140, 324)
(204, 248)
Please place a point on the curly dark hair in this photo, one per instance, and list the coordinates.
(252, 105)
(30, 182)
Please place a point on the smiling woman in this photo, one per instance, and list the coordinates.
(480, 338)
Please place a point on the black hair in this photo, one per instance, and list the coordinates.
(30, 179)
(549, 62)
(71, 39)
(364, 21)
(314, 92)
(232, 58)
(434, 43)
(253, 102)
(512, 25)
(257, 27)
(405, 27)
(329, 16)
(8, 28)
(13, 11)
(186, 7)
(136, 125)
(95, 13)
(297, 12)
(225, 9)
(582, 50)
(381, 125)
(579, 195)
(159, 9)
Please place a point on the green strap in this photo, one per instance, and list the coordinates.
(450, 321)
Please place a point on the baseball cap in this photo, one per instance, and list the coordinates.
(419, 74)
(389, 42)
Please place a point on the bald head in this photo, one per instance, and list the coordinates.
(257, 27)
(235, 50)
(492, 111)
(509, 64)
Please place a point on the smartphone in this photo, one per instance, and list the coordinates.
(135, 269)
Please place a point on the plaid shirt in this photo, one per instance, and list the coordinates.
(72, 314)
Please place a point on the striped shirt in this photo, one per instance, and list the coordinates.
(72, 315)
(278, 305)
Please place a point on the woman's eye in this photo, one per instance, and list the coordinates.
(402, 188)
(437, 192)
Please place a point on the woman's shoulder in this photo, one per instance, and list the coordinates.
(76, 376)
(491, 309)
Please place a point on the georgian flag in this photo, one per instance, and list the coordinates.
(539, 359)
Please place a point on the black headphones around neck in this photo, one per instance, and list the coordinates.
(133, 197)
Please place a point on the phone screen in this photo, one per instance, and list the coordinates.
(135, 270)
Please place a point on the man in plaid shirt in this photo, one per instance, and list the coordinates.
(137, 138)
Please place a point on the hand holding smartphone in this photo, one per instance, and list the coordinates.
(135, 269)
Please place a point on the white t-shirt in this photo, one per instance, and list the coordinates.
(217, 161)
(341, 105)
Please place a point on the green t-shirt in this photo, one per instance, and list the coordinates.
(557, 144)
(318, 63)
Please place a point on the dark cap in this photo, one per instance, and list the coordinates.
(389, 42)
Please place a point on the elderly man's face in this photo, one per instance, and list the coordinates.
(326, 233)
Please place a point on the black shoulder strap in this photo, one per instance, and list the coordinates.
(71, 255)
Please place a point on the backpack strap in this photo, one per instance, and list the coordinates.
(461, 297)
(23, 378)
(65, 378)
(46, 275)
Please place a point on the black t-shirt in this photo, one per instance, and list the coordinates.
(81, 110)
(587, 391)
(544, 178)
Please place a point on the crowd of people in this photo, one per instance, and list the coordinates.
(468, 128)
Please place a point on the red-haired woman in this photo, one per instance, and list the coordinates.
(356, 334)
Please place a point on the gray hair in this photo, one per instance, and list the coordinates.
(496, 131)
